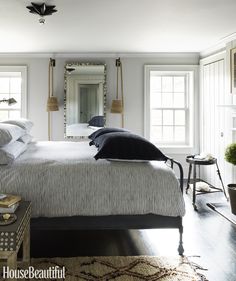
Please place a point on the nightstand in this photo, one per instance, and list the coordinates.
(15, 234)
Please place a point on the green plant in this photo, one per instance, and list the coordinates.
(230, 153)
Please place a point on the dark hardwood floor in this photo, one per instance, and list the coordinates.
(206, 234)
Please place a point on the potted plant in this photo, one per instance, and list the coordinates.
(230, 156)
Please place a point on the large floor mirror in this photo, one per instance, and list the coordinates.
(85, 99)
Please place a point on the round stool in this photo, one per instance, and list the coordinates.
(193, 163)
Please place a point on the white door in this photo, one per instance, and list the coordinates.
(214, 119)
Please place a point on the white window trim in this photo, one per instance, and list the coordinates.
(194, 122)
(23, 70)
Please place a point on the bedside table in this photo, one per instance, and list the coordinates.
(13, 235)
(193, 163)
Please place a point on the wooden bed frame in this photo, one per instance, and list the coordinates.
(149, 221)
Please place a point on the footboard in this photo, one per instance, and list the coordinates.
(181, 183)
(181, 173)
(148, 221)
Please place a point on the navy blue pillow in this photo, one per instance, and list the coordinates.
(97, 121)
(102, 131)
(100, 139)
(127, 146)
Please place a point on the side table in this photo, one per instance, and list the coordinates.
(13, 235)
(193, 162)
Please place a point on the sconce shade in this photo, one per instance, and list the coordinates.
(52, 104)
(11, 101)
(116, 106)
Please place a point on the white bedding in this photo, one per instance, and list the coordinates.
(63, 179)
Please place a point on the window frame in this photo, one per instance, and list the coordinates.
(191, 92)
(23, 70)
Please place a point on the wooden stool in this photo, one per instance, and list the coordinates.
(13, 235)
(198, 162)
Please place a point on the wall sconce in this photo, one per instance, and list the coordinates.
(52, 102)
(117, 105)
(9, 101)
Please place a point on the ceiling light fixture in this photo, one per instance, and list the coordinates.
(42, 10)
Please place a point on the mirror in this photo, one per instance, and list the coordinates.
(85, 95)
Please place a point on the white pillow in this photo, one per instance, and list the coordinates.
(10, 152)
(26, 138)
(21, 122)
(10, 133)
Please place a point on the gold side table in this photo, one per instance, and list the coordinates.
(15, 234)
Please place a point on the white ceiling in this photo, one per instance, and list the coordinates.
(117, 26)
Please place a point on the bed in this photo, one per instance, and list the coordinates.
(69, 189)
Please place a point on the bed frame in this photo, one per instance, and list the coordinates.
(118, 222)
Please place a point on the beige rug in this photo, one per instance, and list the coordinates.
(140, 268)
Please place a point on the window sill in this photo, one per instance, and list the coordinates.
(176, 149)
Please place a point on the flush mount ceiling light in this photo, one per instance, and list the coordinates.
(42, 10)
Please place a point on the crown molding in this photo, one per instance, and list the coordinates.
(99, 55)
(219, 46)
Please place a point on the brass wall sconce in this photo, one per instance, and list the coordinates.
(52, 102)
(117, 105)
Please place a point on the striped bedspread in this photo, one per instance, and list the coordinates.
(63, 179)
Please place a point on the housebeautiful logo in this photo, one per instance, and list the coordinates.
(54, 272)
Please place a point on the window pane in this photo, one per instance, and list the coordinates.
(179, 100)
(16, 105)
(167, 99)
(3, 115)
(156, 117)
(179, 117)
(10, 87)
(14, 114)
(155, 83)
(167, 84)
(168, 107)
(180, 134)
(168, 134)
(4, 85)
(4, 104)
(155, 100)
(15, 85)
(156, 133)
(179, 84)
(168, 117)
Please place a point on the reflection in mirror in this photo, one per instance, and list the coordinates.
(85, 94)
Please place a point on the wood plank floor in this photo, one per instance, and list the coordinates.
(206, 234)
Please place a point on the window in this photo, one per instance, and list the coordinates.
(169, 106)
(13, 85)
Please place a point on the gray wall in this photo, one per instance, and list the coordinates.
(133, 72)
(133, 69)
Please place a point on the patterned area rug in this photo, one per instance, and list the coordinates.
(140, 268)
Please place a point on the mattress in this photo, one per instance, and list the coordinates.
(63, 179)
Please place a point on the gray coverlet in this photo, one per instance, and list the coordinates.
(63, 179)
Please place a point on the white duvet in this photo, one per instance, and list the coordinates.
(63, 179)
